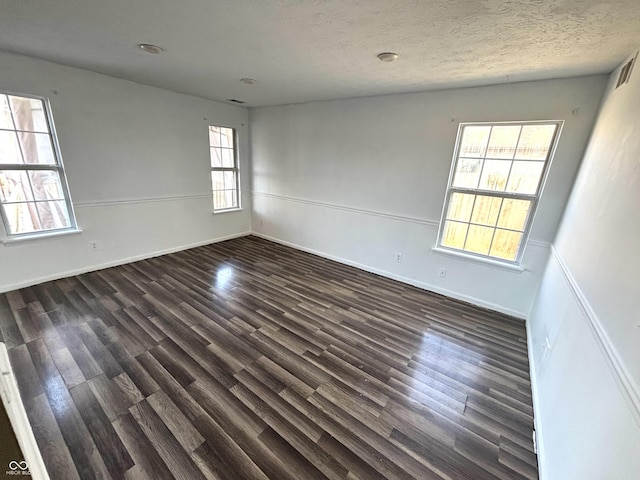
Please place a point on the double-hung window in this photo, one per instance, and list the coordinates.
(224, 168)
(496, 178)
(33, 189)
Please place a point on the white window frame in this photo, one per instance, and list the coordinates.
(58, 167)
(235, 169)
(534, 197)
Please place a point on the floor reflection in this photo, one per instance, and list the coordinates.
(58, 395)
(439, 356)
(223, 277)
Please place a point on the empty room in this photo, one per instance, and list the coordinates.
(318, 239)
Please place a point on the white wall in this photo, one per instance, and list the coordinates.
(587, 385)
(137, 161)
(360, 180)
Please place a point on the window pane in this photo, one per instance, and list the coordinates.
(514, 214)
(46, 185)
(494, 175)
(460, 207)
(22, 217)
(227, 158)
(479, 239)
(5, 113)
(486, 210)
(53, 215)
(505, 244)
(535, 141)
(229, 180)
(222, 157)
(226, 135)
(214, 136)
(216, 157)
(14, 186)
(217, 180)
(225, 199)
(230, 197)
(9, 150)
(28, 114)
(467, 172)
(525, 177)
(454, 234)
(503, 141)
(474, 141)
(36, 148)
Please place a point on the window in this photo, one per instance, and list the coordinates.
(497, 174)
(33, 188)
(224, 168)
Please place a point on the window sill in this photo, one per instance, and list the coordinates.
(484, 261)
(227, 210)
(33, 237)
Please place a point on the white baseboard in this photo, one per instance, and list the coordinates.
(115, 263)
(410, 281)
(19, 420)
(533, 376)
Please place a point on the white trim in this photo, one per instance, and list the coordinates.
(129, 201)
(18, 418)
(462, 255)
(538, 243)
(115, 263)
(533, 377)
(375, 213)
(227, 210)
(402, 218)
(620, 373)
(410, 281)
(32, 237)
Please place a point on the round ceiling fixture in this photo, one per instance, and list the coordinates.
(248, 81)
(149, 48)
(387, 56)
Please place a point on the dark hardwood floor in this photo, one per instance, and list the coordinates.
(250, 360)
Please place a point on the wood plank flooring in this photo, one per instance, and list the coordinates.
(250, 360)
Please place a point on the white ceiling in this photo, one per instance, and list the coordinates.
(305, 50)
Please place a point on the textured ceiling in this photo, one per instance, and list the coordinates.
(307, 50)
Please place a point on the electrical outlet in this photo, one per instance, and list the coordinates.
(93, 246)
(398, 257)
(442, 272)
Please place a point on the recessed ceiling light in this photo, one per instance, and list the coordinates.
(248, 81)
(387, 56)
(149, 48)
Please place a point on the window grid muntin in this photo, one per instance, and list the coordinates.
(235, 169)
(58, 166)
(533, 198)
(493, 227)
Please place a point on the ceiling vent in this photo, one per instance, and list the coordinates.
(625, 72)
(234, 100)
